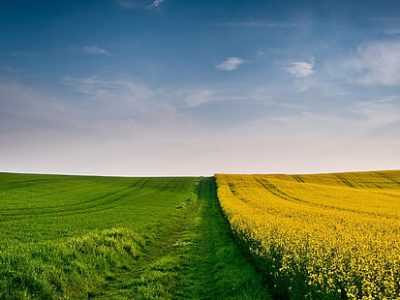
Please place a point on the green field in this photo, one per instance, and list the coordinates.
(81, 237)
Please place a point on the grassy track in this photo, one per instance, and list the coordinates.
(193, 258)
(73, 237)
(218, 270)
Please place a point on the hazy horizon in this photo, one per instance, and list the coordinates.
(170, 87)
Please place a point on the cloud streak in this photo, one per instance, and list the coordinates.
(300, 69)
(259, 24)
(94, 50)
(378, 64)
(140, 4)
(230, 64)
(157, 3)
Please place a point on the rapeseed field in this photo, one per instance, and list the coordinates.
(325, 236)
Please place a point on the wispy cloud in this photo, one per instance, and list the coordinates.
(94, 50)
(260, 53)
(379, 113)
(385, 19)
(259, 24)
(377, 63)
(392, 31)
(157, 3)
(26, 108)
(300, 69)
(140, 4)
(106, 90)
(194, 98)
(390, 25)
(230, 64)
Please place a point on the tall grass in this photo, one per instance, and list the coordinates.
(68, 269)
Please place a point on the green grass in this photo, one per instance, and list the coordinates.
(45, 207)
(77, 237)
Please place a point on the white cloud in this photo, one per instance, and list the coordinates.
(378, 63)
(300, 69)
(198, 97)
(157, 3)
(140, 4)
(260, 24)
(94, 50)
(230, 64)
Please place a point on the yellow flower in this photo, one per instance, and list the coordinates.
(335, 234)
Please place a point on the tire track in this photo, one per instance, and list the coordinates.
(95, 207)
(139, 187)
(72, 206)
(345, 181)
(388, 178)
(273, 189)
(298, 178)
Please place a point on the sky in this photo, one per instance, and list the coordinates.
(174, 87)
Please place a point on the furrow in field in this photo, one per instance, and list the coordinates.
(388, 178)
(276, 191)
(108, 202)
(298, 178)
(76, 204)
(98, 202)
(345, 181)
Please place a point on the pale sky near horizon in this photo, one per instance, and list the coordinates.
(173, 87)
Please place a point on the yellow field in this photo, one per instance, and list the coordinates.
(325, 236)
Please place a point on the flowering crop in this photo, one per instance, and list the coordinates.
(325, 236)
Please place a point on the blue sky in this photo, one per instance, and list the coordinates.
(142, 87)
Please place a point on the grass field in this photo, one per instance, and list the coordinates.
(327, 236)
(76, 237)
